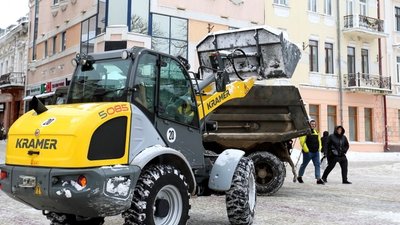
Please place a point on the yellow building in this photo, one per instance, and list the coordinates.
(343, 74)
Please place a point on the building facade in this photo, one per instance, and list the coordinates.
(13, 58)
(62, 28)
(392, 18)
(342, 76)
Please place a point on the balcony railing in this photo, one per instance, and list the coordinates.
(366, 22)
(12, 79)
(367, 83)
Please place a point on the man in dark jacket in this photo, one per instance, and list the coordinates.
(324, 142)
(311, 145)
(337, 146)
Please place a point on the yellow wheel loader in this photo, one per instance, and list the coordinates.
(129, 138)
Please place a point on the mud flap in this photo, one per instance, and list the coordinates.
(223, 169)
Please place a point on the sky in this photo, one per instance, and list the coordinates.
(11, 11)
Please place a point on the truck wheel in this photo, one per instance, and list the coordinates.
(68, 219)
(270, 172)
(161, 197)
(241, 197)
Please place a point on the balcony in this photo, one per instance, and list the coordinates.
(13, 79)
(367, 83)
(363, 27)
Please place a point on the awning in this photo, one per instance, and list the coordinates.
(44, 95)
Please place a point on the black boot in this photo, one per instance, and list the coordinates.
(319, 181)
(300, 180)
(346, 182)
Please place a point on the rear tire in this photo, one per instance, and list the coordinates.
(270, 172)
(241, 197)
(161, 197)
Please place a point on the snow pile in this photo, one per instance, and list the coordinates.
(118, 186)
(65, 192)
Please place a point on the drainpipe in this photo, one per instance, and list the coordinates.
(386, 146)
(339, 63)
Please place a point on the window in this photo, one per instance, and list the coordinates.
(398, 68)
(35, 30)
(176, 97)
(368, 124)
(397, 15)
(398, 118)
(281, 2)
(140, 16)
(364, 61)
(314, 114)
(63, 41)
(55, 2)
(45, 49)
(164, 40)
(353, 123)
(349, 7)
(332, 123)
(145, 81)
(104, 80)
(363, 7)
(101, 17)
(351, 60)
(328, 58)
(117, 12)
(88, 33)
(328, 7)
(54, 45)
(313, 45)
(312, 5)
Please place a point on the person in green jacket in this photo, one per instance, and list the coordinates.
(311, 146)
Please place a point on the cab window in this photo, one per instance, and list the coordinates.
(145, 79)
(176, 99)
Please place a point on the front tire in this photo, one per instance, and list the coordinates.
(270, 172)
(241, 197)
(161, 197)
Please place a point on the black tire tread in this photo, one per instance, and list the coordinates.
(136, 215)
(237, 202)
(278, 170)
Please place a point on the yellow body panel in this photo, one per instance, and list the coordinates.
(60, 137)
(236, 89)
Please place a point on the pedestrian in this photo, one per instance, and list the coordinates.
(324, 140)
(311, 146)
(337, 146)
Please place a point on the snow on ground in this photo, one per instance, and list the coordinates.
(373, 198)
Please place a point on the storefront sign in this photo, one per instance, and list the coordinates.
(57, 83)
(34, 90)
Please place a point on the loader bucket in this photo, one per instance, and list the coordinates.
(259, 51)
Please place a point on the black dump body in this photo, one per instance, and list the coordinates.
(267, 115)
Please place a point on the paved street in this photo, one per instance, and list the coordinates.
(373, 198)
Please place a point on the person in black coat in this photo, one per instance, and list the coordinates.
(337, 147)
(324, 142)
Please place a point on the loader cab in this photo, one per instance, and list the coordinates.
(155, 83)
